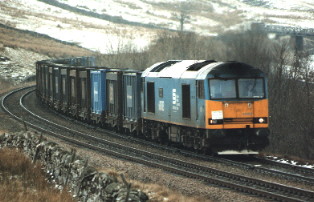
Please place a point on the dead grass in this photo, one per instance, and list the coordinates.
(22, 181)
(160, 193)
(6, 86)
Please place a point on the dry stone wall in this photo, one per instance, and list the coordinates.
(66, 169)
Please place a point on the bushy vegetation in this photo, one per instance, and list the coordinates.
(20, 180)
(291, 80)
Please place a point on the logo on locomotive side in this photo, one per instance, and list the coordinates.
(175, 100)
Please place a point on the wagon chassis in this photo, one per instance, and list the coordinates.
(208, 175)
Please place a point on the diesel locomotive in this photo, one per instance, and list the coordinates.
(210, 106)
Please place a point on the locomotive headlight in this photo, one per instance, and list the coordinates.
(213, 121)
(260, 120)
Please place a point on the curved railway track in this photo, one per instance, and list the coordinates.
(208, 175)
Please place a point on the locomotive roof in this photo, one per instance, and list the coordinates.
(200, 69)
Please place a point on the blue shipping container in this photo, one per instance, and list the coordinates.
(98, 91)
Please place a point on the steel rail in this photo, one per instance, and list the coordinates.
(175, 169)
(247, 189)
(308, 171)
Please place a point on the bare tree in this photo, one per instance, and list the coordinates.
(182, 16)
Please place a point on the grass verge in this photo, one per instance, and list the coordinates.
(20, 180)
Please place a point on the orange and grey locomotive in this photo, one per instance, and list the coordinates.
(219, 107)
(207, 105)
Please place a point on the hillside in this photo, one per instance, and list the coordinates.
(138, 22)
(118, 25)
(20, 49)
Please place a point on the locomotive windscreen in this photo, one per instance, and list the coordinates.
(237, 88)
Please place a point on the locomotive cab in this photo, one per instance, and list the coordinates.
(236, 106)
(221, 107)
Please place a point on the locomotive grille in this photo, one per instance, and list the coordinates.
(238, 120)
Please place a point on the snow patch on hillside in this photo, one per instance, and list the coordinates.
(19, 63)
(95, 34)
(107, 37)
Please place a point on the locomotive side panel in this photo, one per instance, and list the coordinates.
(171, 100)
(175, 99)
(183, 110)
(157, 97)
(200, 104)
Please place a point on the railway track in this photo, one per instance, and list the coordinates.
(286, 171)
(208, 175)
(298, 169)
